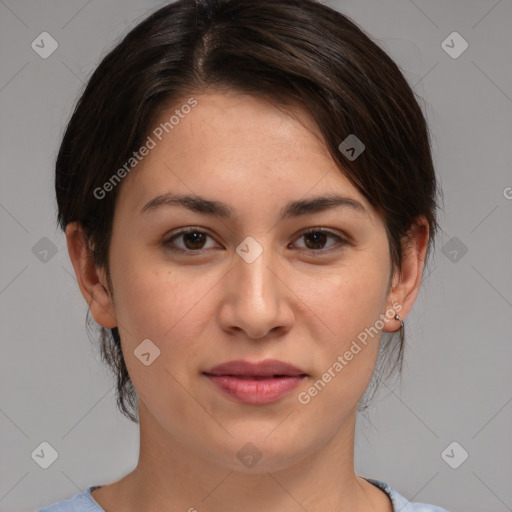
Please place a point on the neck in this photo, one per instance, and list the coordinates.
(167, 475)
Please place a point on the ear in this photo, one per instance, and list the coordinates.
(91, 279)
(407, 280)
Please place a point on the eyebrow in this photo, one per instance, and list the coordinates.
(297, 208)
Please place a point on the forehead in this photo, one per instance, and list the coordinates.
(232, 145)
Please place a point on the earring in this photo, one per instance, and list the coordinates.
(399, 318)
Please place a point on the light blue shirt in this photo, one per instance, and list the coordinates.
(84, 502)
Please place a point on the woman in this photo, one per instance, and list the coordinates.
(248, 197)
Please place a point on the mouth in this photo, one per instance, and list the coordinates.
(255, 383)
(251, 377)
(270, 368)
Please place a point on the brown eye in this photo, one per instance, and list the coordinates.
(316, 239)
(193, 240)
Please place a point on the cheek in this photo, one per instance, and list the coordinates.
(346, 299)
(171, 309)
(347, 303)
(157, 302)
(163, 303)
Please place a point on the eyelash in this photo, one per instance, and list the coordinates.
(317, 252)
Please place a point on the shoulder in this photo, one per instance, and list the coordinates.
(80, 502)
(402, 504)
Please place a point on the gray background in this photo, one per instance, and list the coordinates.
(456, 384)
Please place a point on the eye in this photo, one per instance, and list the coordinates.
(316, 239)
(193, 240)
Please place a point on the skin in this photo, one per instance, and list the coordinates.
(202, 310)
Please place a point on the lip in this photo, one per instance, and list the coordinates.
(266, 368)
(255, 383)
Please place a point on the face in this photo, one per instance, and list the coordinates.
(265, 282)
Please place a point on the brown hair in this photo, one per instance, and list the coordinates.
(288, 51)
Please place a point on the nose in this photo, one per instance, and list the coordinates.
(256, 300)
